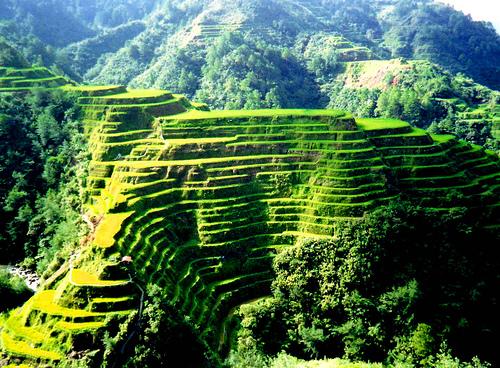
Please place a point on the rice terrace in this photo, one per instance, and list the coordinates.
(252, 236)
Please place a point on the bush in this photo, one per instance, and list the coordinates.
(389, 288)
(13, 290)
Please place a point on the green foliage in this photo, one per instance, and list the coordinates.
(84, 54)
(97, 22)
(426, 96)
(9, 56)
(178, 70)
(286, 45)
(362, 102)
(42, 169)
(477, 132)
(13, 290)
(437, 32)
(245, 73)
(165, 340)
(374, 289)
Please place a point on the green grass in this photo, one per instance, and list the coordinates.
(197, 162)
(242, 114)
(181, 142)
(138, 93)
(378, 124)
(441, 138)
(23, 349)
(82, 278)
(45, 301)
(85, 88)
(79, 326)
(138, 104)
(108, 228)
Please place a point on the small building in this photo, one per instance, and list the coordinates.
(127, 259)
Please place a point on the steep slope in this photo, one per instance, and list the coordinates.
(202, 201)
(427, 34)
(471, 48)
(419, 92)
(31, 16)
(16, 80)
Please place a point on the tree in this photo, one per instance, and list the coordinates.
(371, 293)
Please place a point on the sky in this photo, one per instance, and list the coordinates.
(479, 9)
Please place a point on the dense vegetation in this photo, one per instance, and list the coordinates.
(278, 54)
(165, 340)
(412, 29)
(169, 235)
(242, 73)
(425, 30)
(372, 294)
(42, 165)
(13, 290)
(426, 96)
(9, 56)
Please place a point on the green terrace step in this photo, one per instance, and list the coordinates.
(23, 349)
(220, 161)
(127, 136)
(425, 171)
(421, 160)
(324, 186)
(38, 72)
(254, 168)
(19, 80)
(45, 302)
(95, 91)
(79, 327)
(7, 81)
(203, 200)
(224, 292)
(173, 106)
(178, 130)
(81, 278)
(36, 335)
(227, 303)
(134, 97)
(232, 116)
(318, 145)
(217, 173)
(410, 150)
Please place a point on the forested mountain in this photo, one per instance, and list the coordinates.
(249, 54)
(248, 184)
(390, 28)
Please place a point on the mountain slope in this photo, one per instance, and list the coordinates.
(469, 47)
(202, 200)
(421, 93)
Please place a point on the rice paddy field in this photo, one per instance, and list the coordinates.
(202, 201)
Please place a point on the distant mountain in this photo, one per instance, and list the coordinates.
(139, 37)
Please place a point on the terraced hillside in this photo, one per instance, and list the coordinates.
(347, 51)
(16, 79)
(472, 108)
(203, 200)
(201, 33)
(483, 113)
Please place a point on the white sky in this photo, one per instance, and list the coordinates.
(479, 9)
